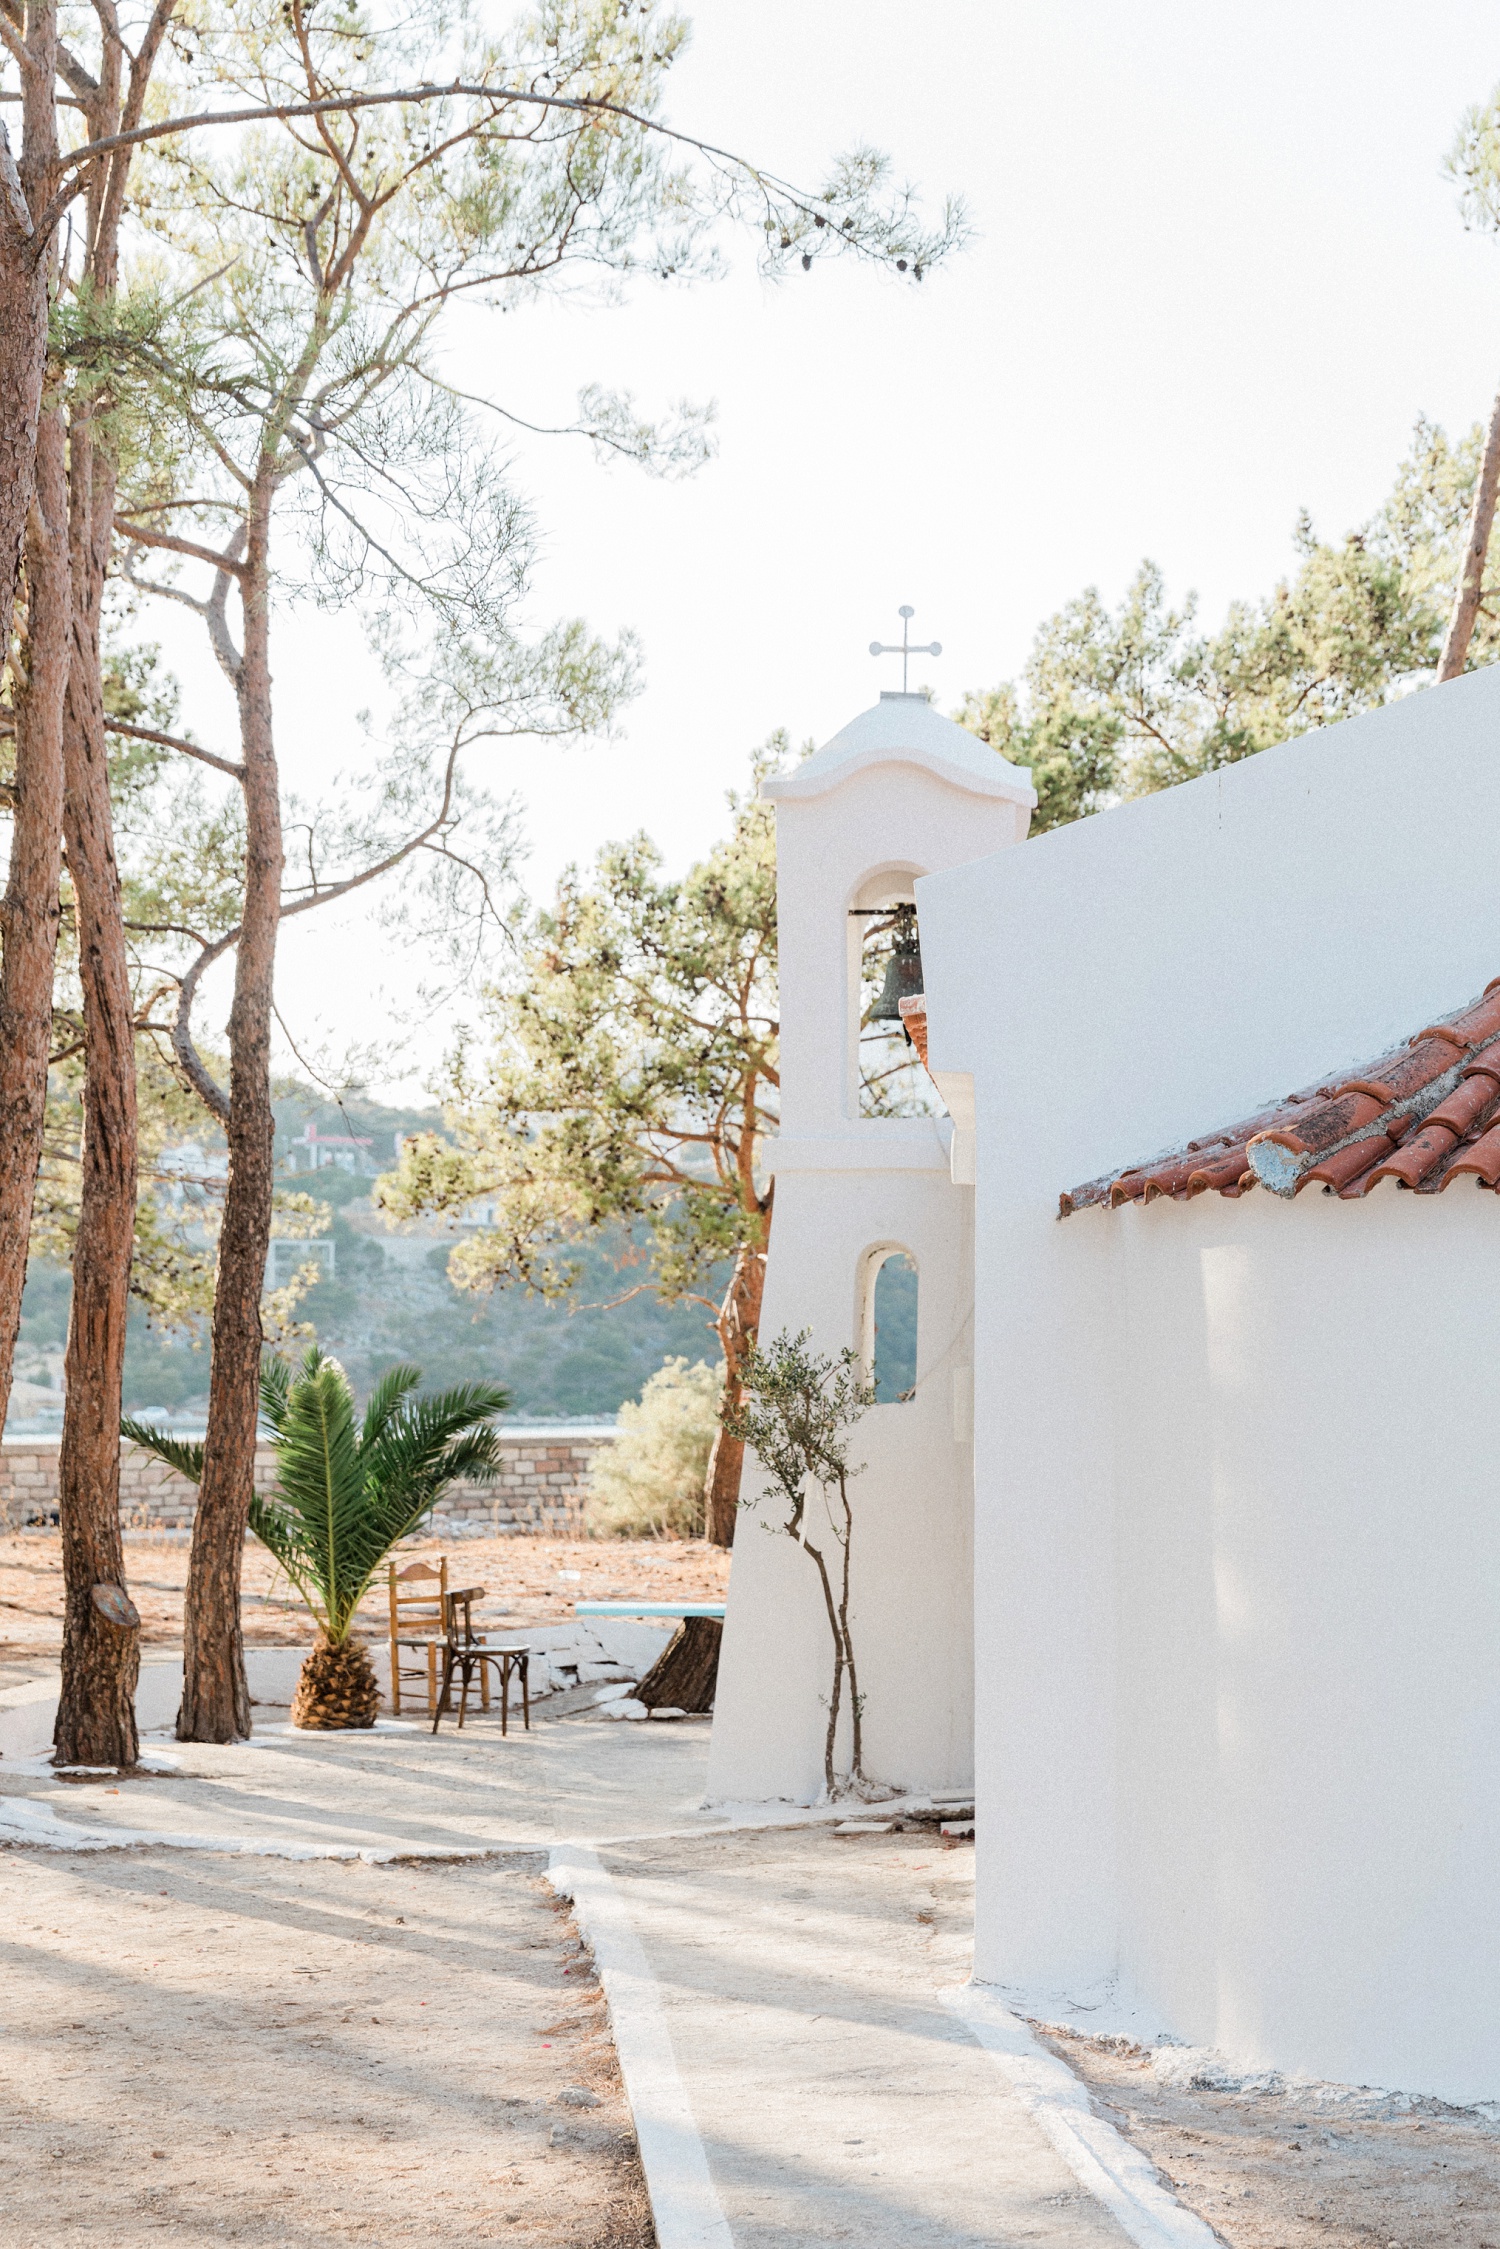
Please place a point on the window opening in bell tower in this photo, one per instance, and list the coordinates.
(892, 1081)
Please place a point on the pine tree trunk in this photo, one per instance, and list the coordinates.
(1476, 554)
(215, 1696)
(686, 1672)
(29, 912)
(25, 265)
(738, 1325)
(101, 1654)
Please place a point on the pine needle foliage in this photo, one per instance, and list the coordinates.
(347, 1491)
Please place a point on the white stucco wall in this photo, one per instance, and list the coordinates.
(1237, 1505)
(900, 792)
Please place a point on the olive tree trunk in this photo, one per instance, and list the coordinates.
(1476, 554)
(738, 1325)
(101, 1644)
(215, 1695)
(29, 911)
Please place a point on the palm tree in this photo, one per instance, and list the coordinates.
(345, 1495)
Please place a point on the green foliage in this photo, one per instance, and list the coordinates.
(800, 1408)
(346, 1493)
(648, 1483)
(798, 1411)
(630, 1079)
(1119, 703)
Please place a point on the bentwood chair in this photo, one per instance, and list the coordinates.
(467, 1651)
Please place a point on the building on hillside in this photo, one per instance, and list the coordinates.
(1224, 1067)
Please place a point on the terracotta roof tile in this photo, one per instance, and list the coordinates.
(1424, 1115)
(1482, 1158)
(914, 1022)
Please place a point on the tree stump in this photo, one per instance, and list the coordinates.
(684, 1674)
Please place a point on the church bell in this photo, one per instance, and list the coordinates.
(903, 973)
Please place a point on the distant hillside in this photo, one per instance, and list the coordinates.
(388, 1298)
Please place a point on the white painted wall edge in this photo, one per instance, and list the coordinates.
(686, 2208)
(1099, 2157)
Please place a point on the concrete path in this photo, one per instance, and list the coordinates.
(837, 2097)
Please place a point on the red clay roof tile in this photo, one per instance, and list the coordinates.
(1482, 1158)
(914, 1022)
(1435, 1096)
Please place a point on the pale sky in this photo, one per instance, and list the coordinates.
(1217, 274)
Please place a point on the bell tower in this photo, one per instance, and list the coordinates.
(871, 1249)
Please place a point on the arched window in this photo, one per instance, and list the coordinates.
(890, 1325)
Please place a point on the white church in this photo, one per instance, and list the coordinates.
(1179, 1529)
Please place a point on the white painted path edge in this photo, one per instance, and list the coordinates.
(684, 2204)
(1099, 2157)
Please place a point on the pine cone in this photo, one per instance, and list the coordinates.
(337, 1688)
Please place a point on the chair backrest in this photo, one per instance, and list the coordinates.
(460, 1619)
(419, 1597)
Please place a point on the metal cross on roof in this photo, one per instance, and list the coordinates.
(904, 647)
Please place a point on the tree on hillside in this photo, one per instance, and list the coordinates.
(631, 1080)
(1115, 704)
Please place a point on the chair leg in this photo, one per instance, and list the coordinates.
(442, 1700)
(484, 1685)
(526, 1692)
(431, 1672)
(395, 1680)
(466, 1665)
(504, 1696)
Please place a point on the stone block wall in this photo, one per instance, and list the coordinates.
(540, 1487)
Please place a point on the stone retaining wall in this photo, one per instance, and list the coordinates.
(540, 1487)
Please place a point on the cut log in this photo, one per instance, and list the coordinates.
(684, 1674)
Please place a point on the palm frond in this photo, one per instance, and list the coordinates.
(344, 1497)
(275, 1385)
(178, 1452)
(394, 1386)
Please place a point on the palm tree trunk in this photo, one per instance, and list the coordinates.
(101, 1656)
(215, 1695)
(29, 912)
(1476, 554)
(738, 1325)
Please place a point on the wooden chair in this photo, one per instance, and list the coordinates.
(467, 1651)
(419, 1626)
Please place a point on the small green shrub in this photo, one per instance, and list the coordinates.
(648, 1483)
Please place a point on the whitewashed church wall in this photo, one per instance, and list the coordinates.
(1237, 1566)
(1309, 1631)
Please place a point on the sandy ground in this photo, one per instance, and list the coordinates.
(1328, 2165)
(527, 1579)
(195, 2049)
(326, 2051)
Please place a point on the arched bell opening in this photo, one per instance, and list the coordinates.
(886, 967)
(888, 1306)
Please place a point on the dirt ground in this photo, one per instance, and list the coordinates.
(528, 1579)
(1328, 2165)
(198, 2048)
